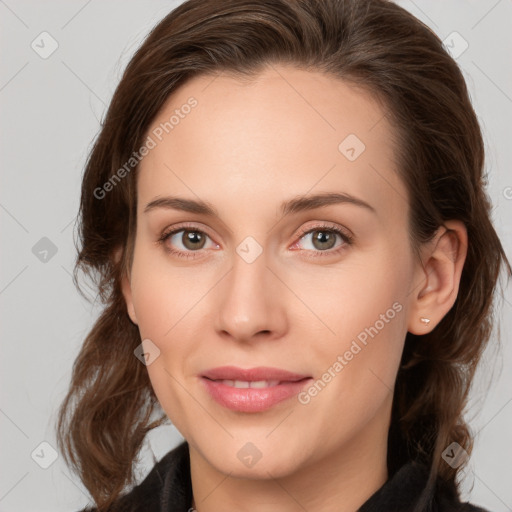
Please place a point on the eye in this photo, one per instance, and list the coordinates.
(322, 239)
(188, 239)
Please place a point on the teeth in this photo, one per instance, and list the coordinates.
(252, 384)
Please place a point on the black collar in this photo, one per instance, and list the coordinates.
(168, 488)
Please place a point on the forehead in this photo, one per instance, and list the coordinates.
(286, 132)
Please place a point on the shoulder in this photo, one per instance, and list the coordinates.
(153, 490)
(446, 498)
(410, 489)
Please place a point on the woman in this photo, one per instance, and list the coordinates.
(316, 348)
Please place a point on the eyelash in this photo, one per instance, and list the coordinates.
(347, 239)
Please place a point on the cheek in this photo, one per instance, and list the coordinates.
(365, 311)
(374, 324)
(163, 293)
(164, 297)
(167, 384)
(347, 300)
(356, 374)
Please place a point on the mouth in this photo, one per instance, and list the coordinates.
(244, 384)
(259, 374)
(252, 390)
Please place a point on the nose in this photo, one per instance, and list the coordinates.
(251, 302)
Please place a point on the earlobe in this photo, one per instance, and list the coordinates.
(439, 275)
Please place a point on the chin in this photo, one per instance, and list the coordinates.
(257, 459)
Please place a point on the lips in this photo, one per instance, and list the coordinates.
(252, 390)
(261, 373)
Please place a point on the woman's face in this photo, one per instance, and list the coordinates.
(262, 278)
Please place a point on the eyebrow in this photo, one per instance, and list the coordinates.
(295, 205)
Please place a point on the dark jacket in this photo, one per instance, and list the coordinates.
(168, 488)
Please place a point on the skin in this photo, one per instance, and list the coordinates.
(245, 148)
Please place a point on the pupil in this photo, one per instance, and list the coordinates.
(192, 238)
(324, 237)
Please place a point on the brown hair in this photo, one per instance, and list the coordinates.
(378, 46)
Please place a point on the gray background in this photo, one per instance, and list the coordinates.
(50, 112)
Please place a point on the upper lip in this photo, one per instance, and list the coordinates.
(252, 374)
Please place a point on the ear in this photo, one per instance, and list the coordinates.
(439, 277)
(126, 288)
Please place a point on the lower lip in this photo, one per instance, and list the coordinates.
(252, 399)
